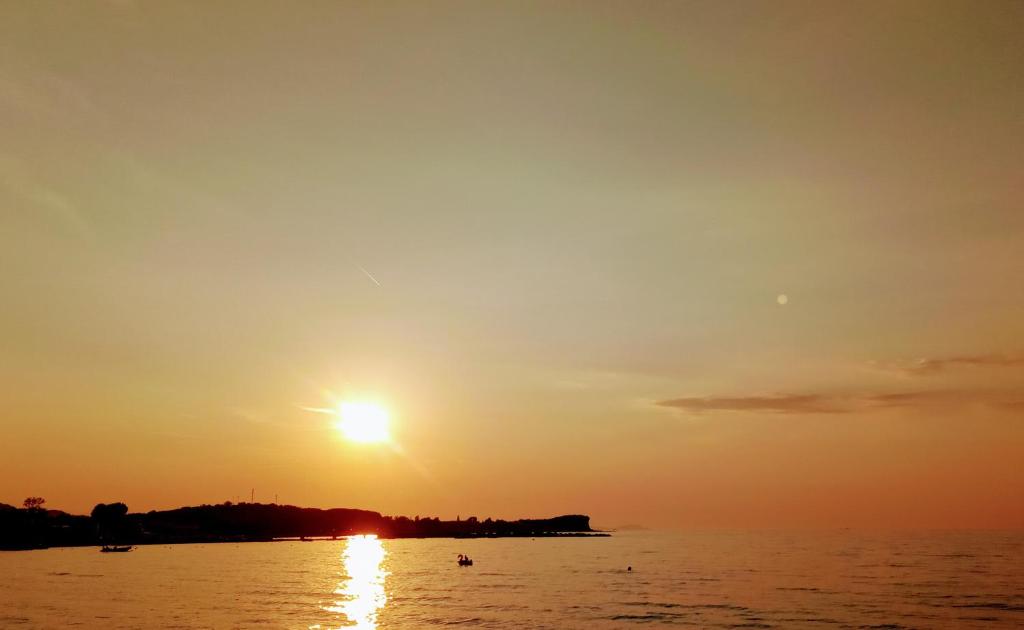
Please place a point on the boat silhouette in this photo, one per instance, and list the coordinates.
(116, 548)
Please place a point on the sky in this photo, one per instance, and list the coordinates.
(680, 264)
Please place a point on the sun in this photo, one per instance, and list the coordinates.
(363, 422)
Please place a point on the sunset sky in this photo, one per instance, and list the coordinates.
(552, 238)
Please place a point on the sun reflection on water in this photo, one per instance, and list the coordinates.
(362, 594)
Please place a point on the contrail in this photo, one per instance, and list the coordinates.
(368, 275)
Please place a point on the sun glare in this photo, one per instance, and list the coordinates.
(363, 422)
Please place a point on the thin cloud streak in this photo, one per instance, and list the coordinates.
(787, 404)
(798, 404)
(927, 366)
(369, 275)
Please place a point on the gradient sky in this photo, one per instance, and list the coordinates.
(578, 219)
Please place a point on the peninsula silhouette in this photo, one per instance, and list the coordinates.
(34, 527)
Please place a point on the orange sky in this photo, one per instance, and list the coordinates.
(550, 237)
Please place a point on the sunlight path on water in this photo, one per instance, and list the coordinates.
(362, 594)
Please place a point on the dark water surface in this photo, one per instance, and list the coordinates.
(703, 580)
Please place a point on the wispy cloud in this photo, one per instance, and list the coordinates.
(784, 403)
(19, 180)
(47, 93)
(794, 404)
(927, 366)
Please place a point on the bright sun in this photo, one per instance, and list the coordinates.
(364, 422)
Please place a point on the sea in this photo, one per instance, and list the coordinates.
(721, 579)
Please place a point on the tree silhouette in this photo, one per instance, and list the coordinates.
(109, 519)
(34, 503)
(106, 512)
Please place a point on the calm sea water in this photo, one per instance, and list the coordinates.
(712, 580)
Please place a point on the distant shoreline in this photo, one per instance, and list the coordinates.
(226, 541)
(36, 528)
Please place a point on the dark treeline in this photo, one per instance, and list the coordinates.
(34, 527)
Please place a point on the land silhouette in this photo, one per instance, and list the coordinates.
(35, 527)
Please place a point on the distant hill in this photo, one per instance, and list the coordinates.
(35, 528)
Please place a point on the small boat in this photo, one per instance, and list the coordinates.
(465, 561)
(116, 548)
